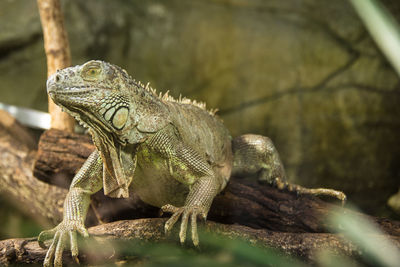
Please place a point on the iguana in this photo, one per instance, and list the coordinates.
(173, 153)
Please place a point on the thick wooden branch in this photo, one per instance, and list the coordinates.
(243, 202)
(303, 245)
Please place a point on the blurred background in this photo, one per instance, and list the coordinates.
(306, 73)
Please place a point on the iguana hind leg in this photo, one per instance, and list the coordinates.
(256, 155)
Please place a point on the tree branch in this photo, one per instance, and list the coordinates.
(244, 201)
(57, 53)
(303, 245)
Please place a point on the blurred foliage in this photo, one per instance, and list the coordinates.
(385, 30)
(14, 223)
(376, 249)
(214, 250)
(383, 27)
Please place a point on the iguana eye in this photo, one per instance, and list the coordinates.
(91, 71)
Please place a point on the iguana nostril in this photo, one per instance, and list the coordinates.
(58, 78)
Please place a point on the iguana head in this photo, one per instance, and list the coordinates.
(96, 94)
(119, 113)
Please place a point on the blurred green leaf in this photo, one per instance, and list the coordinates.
(15, 224)
(375, 246)
(214, 250)
(383, 27)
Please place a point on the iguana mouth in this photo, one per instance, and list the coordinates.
(77, 115)
(72, 90)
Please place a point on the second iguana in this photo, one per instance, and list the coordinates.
(174, 154)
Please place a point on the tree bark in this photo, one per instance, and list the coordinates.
(57, 53)
(303, 245)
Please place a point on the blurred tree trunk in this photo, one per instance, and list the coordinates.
(18, 186)
(58, 55)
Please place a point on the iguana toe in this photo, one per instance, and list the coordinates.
(59, 249)
(46, 235)
(176, 213)
(51, 251)
(186, 212)
(195, 236)
(74, 246)
(184, 222)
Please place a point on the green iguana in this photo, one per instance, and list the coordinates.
(174, 154)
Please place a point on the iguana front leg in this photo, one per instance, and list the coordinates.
(197, 204)
(188, 167)
(85, 183)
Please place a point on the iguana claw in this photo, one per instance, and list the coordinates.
(60, 234)
(186, 212)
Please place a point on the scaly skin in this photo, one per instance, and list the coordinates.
(174, 154)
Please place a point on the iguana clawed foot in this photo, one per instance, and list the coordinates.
(193, 212)
(61, 234)
(282, 185)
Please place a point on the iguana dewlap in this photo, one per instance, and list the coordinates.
(174, 154)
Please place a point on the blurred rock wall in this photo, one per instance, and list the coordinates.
(303, 72)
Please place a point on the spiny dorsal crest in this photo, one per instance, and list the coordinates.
(167, 97)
